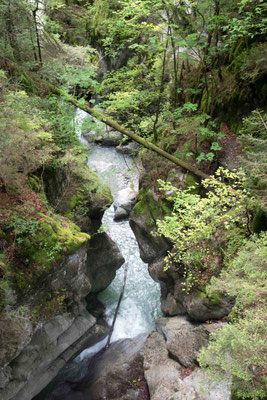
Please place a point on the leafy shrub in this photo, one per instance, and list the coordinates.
(200, 226)
(26, 143)
(239, 349)
(254, 135)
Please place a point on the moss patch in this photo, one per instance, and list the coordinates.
(192, 181)
(89, 191)
(35, 184)
(55, 238)
(147, 205)
(214, 298)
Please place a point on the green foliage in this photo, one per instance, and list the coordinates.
(128, 96)
(17, 31)
(254, 135)
(40, 240)
(250, 21)
(239, 349)
(199, 225)
(148, 206)
(26, 142)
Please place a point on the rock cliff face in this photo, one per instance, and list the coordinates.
(37, 341)
(170, 354)
(36, 353)
(174, 300)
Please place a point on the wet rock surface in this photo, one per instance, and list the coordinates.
(104, 258)
(114, 374)
(124, 202)
(150, 247)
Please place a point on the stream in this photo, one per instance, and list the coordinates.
(140, 305)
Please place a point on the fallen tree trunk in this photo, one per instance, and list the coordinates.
(113, 124)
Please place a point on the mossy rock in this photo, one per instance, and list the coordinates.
(192, 182)
(147, 205)
(89, 193)
(35, 184)
(54, 239)
(215, 298)
(67, 233)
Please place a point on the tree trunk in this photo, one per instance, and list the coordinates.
(34, 13)
(113, 124)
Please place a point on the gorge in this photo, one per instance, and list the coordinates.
(133, 139)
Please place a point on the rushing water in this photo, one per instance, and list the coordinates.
(141, 301)
(140, 305)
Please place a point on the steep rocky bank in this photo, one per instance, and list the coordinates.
(149, 207)
(38, 340)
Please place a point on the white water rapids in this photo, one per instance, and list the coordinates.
(141, 301)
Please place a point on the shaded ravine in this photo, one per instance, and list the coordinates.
(140, 305)
(141, 301)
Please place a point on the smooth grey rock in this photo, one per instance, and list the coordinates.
(51, 346)
(164, 376)
(169, 306)
(116, 374)
(183, 339)
(124, 202)
(202, 309)
(150, 247)
(73, 274)
(103, 259)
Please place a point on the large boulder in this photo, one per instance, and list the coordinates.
(124, 202)
(176, 301)
(104, 258)
(161, 373)
(114, 374)
(109, 137)
(143, 223)
(168, 380)
(183, 338)
(202, 307)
